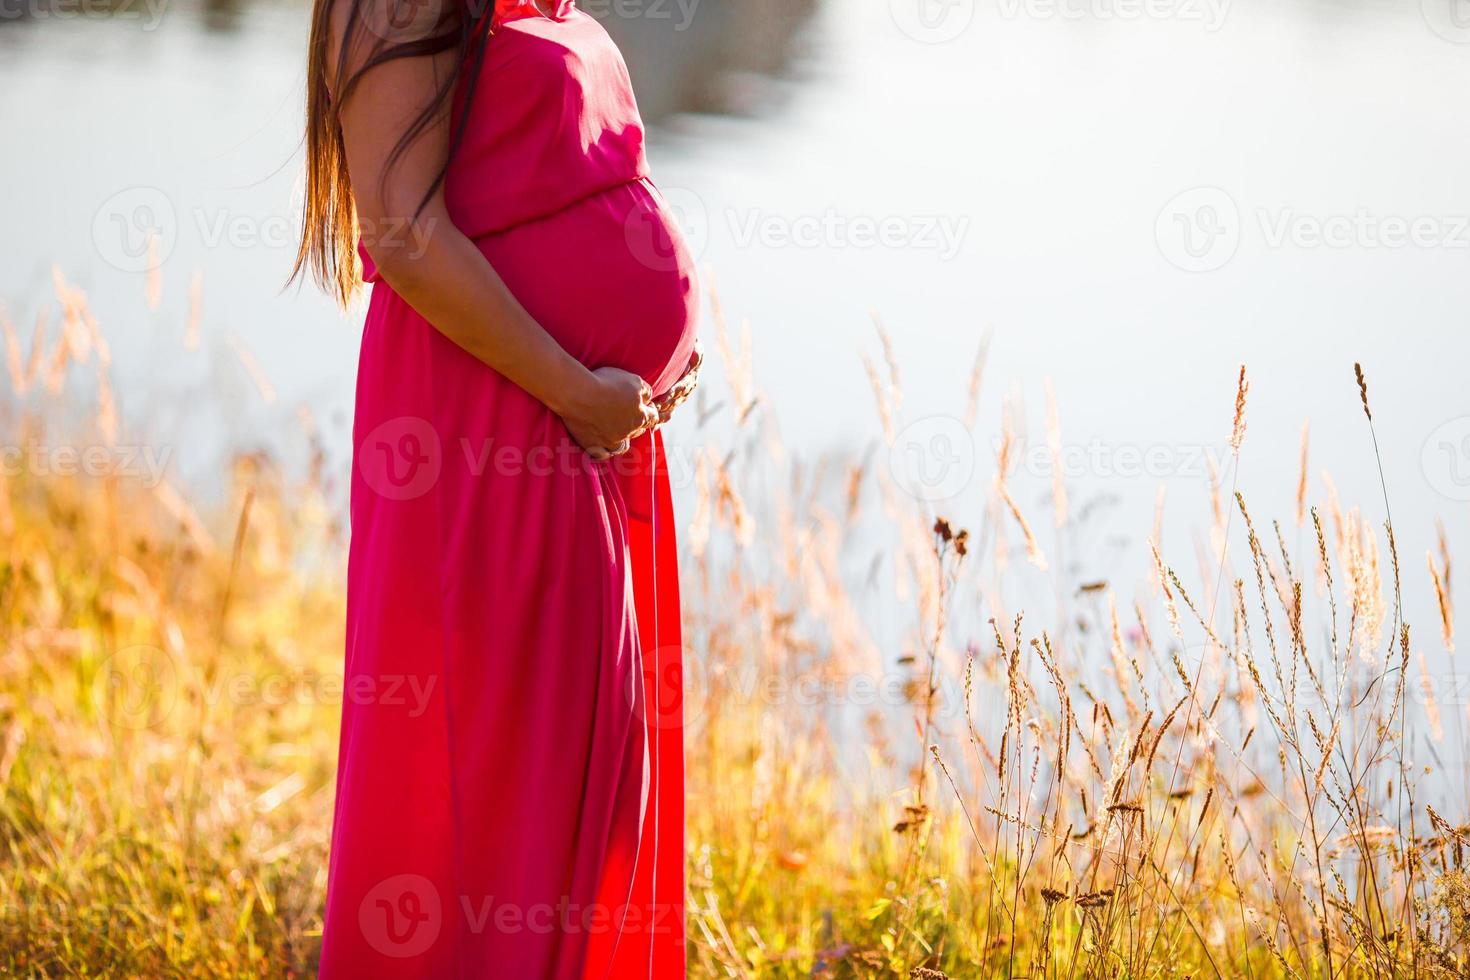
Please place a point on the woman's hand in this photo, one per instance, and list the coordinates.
(682, 388)
(612, 409)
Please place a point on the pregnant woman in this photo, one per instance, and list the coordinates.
(510, 789)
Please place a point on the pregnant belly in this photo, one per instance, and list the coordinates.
(610, 278)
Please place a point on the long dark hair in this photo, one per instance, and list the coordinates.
(328, 248)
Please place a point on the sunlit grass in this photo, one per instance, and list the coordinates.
(1202, 776)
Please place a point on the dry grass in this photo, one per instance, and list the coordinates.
(1211, 780)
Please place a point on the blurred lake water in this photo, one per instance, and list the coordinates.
(1136, 197)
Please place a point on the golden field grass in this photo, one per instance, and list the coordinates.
(1202, 776)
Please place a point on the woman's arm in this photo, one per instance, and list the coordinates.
(440, 272)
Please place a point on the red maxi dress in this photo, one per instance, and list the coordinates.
(510, 787)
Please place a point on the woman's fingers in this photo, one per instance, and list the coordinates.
(627, 409)
(682, 388)
(651, 418)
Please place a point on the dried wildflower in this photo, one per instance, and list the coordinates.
(1431, 706)
(18, 379)
(1034, 553)
(1327, 748)
(1445, 827)
(1301, 481)
(890, 359)
(1163, 581)
(1370, 837)
(1237, 427)
(196, 312)
(1442, 595)
(977, 371)
(252, 368)
(914, 816)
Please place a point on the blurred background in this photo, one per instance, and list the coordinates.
(1125, 199)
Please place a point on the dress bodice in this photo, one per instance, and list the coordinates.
(553, 121)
